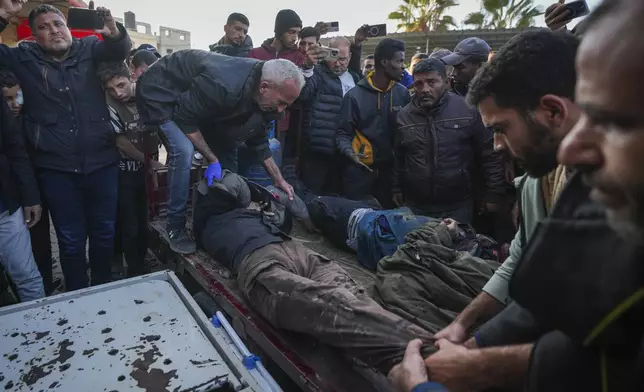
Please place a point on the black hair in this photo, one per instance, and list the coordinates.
(310, 32)
(8, 78)
(110, 70)
(419, 56)
(42, 9)
(144, 57)
(237, 17)
(370, 57)
(386, 49)
(430, 65)
(532, 64)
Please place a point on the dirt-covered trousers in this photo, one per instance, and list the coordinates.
(299, 290)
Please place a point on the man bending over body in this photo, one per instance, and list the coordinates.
(293, 287)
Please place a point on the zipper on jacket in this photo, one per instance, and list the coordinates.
(433, 168)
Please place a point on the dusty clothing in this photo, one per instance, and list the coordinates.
(301, 291)
(438, 151)
(427, 281)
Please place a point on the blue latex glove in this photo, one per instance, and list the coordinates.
(213, 173)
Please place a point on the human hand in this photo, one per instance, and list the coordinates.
(455, 333)
(557, 16)
(451, 366)
(9, 8)
(212, 173)
(32, 215)
(411, 371)
(452, 227)
(355, 158)
(321, 28)
(109, 28)
(361, 35)
(399, 199)
(286, 187)
(313, 55)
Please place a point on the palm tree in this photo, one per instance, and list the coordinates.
(423, 16)
(504, 14)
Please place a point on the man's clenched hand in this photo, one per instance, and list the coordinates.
(9, 8)
(32, 215)
(411, 371)
(110, 29)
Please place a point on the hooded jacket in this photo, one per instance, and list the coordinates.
(437, 151)
(368, 120)
(322, 102)
(65, 117)
(267, 52)
(241, 50)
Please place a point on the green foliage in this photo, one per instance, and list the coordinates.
(423, 15)
(504, 14)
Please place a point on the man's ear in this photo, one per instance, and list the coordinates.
(554, 109)
(263, 86)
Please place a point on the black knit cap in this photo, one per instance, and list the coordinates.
(285, 20)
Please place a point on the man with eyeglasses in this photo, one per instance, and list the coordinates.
(438, 144)
(323, 94)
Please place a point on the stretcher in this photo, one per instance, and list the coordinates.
(140, 334)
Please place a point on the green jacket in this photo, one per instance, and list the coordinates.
(532, 211)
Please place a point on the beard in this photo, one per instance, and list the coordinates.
(541, 157)
(624, 206)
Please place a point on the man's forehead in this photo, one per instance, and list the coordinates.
(609, 65)
(48, 17)
(492, 114)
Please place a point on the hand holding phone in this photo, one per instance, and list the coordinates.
(560, 14)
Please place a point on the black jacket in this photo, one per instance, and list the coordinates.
(368, 119)
(18, 185)
(65, 115)
(574, 272)
(437, 152)
(322, 101)
(206, 91)
(233, 50)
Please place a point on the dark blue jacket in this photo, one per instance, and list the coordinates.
(322, 98)
(368, 120)
(439, 152)
(66, 119)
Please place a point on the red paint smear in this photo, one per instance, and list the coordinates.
(220, 289)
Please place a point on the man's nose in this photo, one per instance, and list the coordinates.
(499, 142)
(581, 146)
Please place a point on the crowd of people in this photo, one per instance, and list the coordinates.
(445, 138)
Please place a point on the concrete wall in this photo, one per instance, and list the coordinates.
(171, 40)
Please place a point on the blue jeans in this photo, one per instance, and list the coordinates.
(16, 256)
(180, 150)
(82, 206)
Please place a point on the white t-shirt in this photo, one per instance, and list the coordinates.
(347, 82)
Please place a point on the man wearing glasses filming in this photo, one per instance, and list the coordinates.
(323, 94)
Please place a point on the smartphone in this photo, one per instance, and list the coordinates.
(328, 53)
(332, 27)
(379, 30)
(577, 8)
(84, 19)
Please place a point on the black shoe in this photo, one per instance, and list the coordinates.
(180, 242)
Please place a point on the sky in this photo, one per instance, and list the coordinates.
(205, 18)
